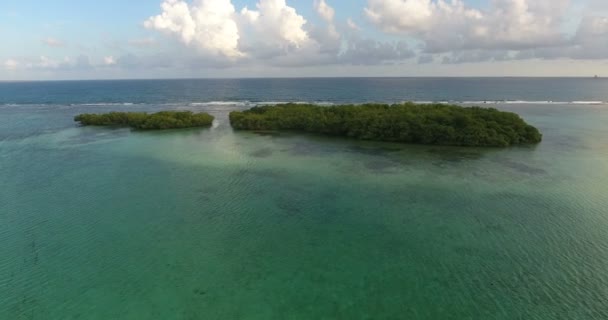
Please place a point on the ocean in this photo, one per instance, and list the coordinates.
(99, 223)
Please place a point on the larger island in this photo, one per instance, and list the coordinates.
(434, 124)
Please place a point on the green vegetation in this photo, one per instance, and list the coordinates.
(436, 124)
(144, 121)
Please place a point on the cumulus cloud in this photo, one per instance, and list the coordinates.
(401, 16)
(324, 10)
(590, 42)
(328, 37)
(504, 30)
(273, 28)
(216, 29)
(207, 24)
(446, 26)
(450, 31)
(270, 33)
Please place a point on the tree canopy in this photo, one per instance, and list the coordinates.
(145, 121)
(434, 124)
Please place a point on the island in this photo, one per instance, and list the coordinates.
(432, 124)
(147, 121)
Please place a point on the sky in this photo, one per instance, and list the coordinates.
(141, 39)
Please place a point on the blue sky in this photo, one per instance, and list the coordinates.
(68, 39)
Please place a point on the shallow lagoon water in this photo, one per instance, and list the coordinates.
(102, 223)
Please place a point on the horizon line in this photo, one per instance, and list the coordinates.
(311, 77)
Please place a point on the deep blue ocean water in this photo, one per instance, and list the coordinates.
(333, 90)
(106, 223)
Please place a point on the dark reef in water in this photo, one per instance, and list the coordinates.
(432, 124)
(262, 153)
(145, 121)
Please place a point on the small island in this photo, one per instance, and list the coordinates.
(432, 124)
(147, 121)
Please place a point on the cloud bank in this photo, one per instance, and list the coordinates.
(505, 30)
(273, 32)
(215, 28)
(429, 30)
(191, 34)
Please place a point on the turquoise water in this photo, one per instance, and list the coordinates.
(214, 224)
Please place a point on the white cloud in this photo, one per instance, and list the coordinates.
(109, 61)
(324, 10)
(52, 42)
(217, 30)
(207, 24)
(453, 32)
(215, 34)
(401, 16)
(275, 24)
(352, 25)
(590, 42)
(445, 26)
(272, 33)
(11, 64)
(449, 31)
